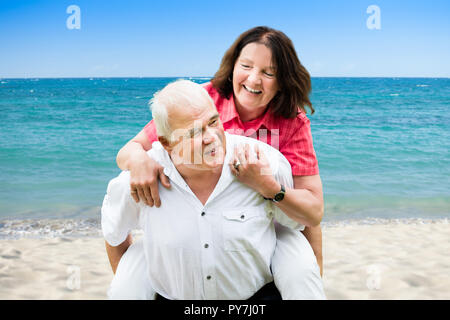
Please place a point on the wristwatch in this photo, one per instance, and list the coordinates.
(279, 196)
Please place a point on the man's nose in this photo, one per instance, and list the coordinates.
(208, 136)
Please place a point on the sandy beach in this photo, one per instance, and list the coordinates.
(382, 260)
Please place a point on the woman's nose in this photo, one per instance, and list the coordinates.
(254, 77)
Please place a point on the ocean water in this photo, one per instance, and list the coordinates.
(383, 146)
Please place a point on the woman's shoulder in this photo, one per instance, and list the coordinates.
(210, 89)
(301, 116)
(219, 101)
(293, 123)
(206, 85)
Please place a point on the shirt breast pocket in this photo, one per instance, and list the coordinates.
(244, 229)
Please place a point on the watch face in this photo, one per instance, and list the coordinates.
(279, 197)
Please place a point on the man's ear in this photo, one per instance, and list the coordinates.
(165, 143)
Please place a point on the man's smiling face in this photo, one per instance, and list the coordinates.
(198, 137)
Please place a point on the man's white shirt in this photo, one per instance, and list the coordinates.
(220, 250)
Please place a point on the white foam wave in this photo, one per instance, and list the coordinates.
(49, 228)
(383, 221)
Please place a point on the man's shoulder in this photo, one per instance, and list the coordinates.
(119, 186)
(122, 180)
(158, 153)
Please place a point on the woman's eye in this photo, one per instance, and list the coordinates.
(269, 74)
(245, 66)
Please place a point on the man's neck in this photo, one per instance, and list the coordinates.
(201, 182)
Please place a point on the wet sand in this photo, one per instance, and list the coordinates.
(391, 260)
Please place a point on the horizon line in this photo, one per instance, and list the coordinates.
(210, 77)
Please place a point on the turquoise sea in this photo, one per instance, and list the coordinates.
(383, 146)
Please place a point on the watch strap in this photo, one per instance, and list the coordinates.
(279, 195)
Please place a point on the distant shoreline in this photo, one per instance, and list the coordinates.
(210, 77)
(76, 228)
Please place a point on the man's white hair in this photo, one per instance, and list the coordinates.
(176, 95)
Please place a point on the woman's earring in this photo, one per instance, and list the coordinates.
(229, 79)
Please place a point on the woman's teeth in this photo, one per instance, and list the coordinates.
(251, 90)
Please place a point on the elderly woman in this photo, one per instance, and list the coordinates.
(261, 90)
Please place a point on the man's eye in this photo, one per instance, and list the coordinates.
(213, 123)
(194, 133)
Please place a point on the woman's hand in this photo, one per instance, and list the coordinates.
(254, 170)
(144, 176)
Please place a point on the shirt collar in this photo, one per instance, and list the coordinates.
(226, 177)
(266, 120)
(160, 155)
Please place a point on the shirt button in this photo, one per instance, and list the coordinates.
(203, 213)
(206, 245)
(208, 278)
(242, 217)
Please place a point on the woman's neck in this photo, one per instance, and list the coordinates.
(246, 114)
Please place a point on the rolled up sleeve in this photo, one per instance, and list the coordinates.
(119, 213)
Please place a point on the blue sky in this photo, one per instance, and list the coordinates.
(188, 38)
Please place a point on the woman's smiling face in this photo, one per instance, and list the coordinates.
(254, 80)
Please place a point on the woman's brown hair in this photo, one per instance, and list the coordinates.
(294, 81)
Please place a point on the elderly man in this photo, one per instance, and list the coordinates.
(213, 237)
